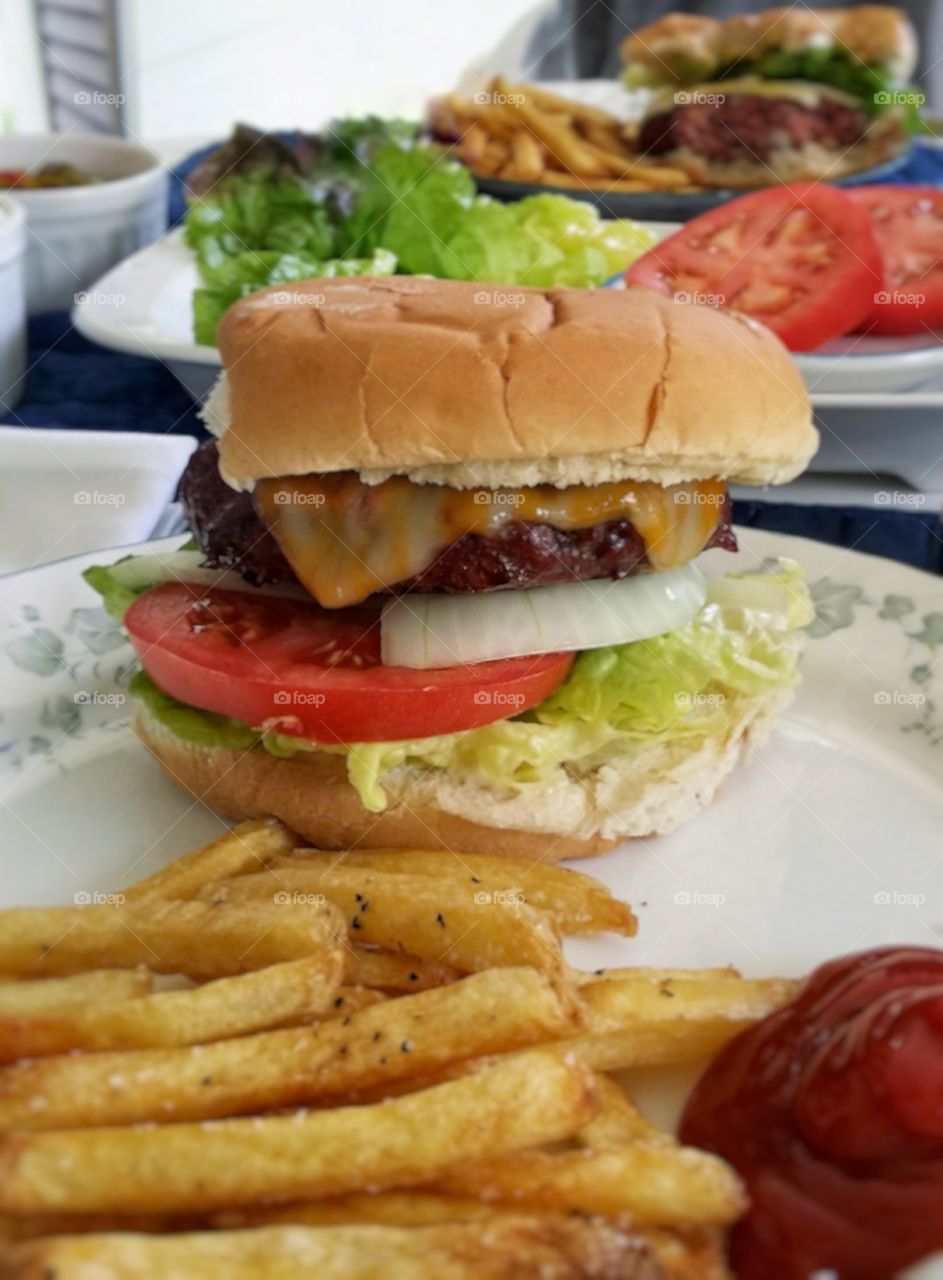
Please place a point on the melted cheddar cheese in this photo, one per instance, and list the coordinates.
(346, 539)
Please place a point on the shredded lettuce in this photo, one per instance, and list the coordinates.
(687, 684)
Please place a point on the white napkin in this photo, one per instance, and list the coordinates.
(66, 492)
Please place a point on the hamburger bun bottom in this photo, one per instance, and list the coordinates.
(311, 795)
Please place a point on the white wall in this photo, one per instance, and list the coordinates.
(193, 67)
(22, 101)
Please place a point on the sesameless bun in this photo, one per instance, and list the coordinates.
(685, 48)
(460, 383)
(651, 794)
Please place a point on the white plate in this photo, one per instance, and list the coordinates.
(143, 306)
(827, 840)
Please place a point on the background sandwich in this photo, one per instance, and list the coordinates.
(781, 96)
(425, 499)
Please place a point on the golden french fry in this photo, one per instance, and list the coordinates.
(512, 1245)
(518, 1101)
(473, 144)
(412, 1208)
(99, 986)
(562, 142)
(193, 938)
(438, 921)
(247, 847)
(585, 978)
(618, 1121)
(394, 971)
(636, 1022)
(277, 996)
(494, 1012)
(353, 999)
(579, 903)
(654, 1182)
(605, 136)
(527, 156)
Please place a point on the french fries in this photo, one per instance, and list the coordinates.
(495, 1012)
(654, 1182)
(248, 847)
(527, 1248)
(436, 920)
(193, 938)
(525, 134)
(280, 995)
(392, 971)
(100, 986)
(380, 1065)
(633, 1022)
(517, 1102)
(578, 903)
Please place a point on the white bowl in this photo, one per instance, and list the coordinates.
(77, 233)
(12, 304)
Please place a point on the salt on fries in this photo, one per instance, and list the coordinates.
(525, 134)
(370, 1063)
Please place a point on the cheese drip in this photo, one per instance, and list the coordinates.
(345, 539)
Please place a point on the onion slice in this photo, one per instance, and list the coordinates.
(142, 572)
(426, 631)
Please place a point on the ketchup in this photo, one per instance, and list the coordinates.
(831, 1110)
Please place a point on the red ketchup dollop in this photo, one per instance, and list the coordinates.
(831, 1110)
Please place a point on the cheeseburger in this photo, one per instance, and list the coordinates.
(444, 591)
(787, 95)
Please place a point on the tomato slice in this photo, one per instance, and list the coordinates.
(290, 667)
(802, 259)
(908, 223)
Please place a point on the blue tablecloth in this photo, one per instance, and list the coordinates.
(72, 382)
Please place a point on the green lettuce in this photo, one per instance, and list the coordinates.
(375, 200)
(686, 685)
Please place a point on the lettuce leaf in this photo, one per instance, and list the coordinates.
(375, 201)
(684, 685)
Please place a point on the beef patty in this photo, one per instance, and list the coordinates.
(232, 536)
(744, 126)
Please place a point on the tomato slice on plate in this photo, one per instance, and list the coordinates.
(908, 223)
(802, 259)
(291, 667)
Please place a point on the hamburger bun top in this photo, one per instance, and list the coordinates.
(458, 383)
(877, 35)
